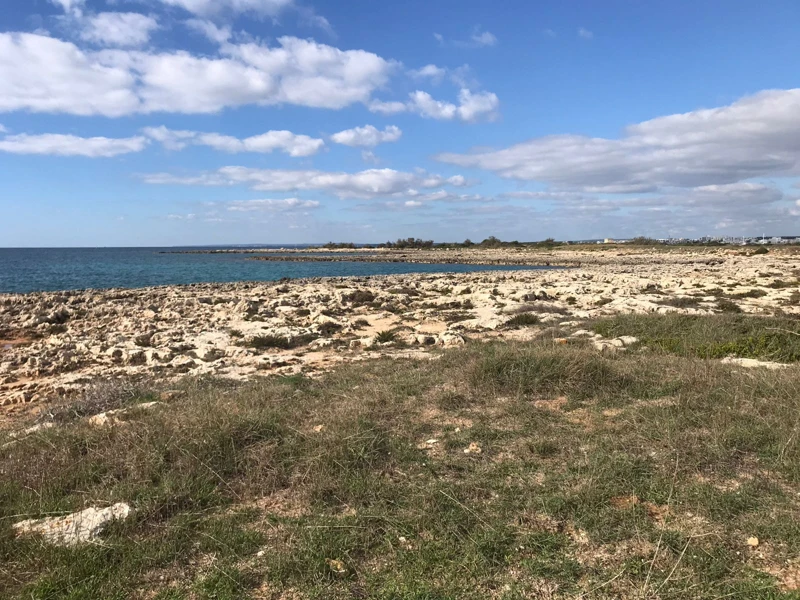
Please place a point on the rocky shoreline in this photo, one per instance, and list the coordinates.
(53, 345)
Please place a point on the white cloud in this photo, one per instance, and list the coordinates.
(550, 33)
(757, 136)
(3, 129)
(387, 108)
(585, 34)
(371, 183)
(170, 138)
(43, 74)
(267, 8)
(74, 7)
(432, 72)
(368, 156)
(70, 145)
(119, 29)
(471, 107)
(285, 141)
(483, 38)
(310, 18)
(424, 104)
(478, 39)
(474, 106)
(213, 32)
(271, 205)
(368, 136)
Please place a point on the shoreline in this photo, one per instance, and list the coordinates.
(55, 344)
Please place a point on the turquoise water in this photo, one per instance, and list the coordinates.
(50, 269)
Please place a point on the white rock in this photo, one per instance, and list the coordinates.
(450, 339)
(79, 527)
(582, 333)
(110, 417)
(752, 363)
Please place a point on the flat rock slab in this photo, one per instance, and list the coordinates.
(77, 528)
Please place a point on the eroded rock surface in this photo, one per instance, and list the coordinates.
(54, 344)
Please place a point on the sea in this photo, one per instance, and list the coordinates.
(24, 270)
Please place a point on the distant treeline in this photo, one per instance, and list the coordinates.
(494, 242)
(417, 243)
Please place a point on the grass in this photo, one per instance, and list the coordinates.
(728, 306)
(633, 476)
(386, 336)
(682, 302)
(266, 342)
(525, 319)
(717, 336)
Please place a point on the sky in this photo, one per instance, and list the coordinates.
(201, 122)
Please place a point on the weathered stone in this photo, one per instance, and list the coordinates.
(77, 528)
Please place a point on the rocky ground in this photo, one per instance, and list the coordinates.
(54, 344)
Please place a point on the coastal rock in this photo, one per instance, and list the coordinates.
(54, 344)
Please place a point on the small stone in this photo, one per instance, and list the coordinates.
(336, 566)
(319, 428)
(473, 448)
(752, 542)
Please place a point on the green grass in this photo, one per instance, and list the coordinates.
(386, 336)
(525, 319)
(682, 302)
(266, 342)
(718, 336)
(637, 475)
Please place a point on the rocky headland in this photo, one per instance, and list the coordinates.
(55, 344)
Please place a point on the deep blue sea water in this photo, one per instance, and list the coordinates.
(49, 269)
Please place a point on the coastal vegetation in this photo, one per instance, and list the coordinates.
(501, 469)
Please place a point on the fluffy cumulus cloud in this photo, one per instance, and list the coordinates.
(757, 136)
(70, 145)
(284, 141)
(269, 8)
(119, 29)
(372, 183)
(367, 136)
(43, 74)
(471, 107)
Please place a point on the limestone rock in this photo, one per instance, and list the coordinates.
(77, 528)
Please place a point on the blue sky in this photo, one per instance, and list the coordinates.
(173, 122)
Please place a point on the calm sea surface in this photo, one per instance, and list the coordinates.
(50, 269)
